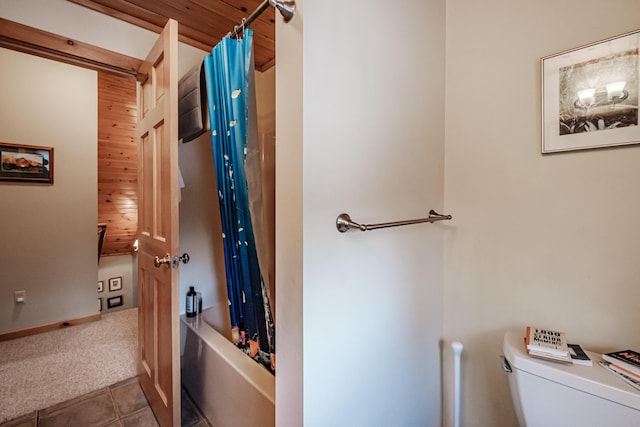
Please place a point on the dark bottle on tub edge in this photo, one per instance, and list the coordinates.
(191, 305)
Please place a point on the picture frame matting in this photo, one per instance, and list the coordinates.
(115, 284)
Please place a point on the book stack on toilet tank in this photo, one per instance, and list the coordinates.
(547, 344)
(625, 364)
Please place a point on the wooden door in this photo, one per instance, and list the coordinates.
(158, 284)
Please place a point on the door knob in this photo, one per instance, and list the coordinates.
(173, 261)
(159, 261)
(178, 259)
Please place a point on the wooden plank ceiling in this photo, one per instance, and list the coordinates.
(201, 23)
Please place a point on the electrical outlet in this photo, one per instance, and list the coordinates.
(20, 296)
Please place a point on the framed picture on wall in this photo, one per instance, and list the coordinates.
(100, 286)
(100, 304)
(27, 163)
(115, 284)
(590, 95)
(115, 301)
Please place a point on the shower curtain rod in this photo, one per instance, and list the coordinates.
(286, 8)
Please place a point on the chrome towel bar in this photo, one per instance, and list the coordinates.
(345, 223)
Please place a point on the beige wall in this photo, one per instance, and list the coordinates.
(266, 109)
(289, 220)
(49, 243)
(360, 129)
(200, 230)
(118, 266)
(266, 100)
(548, 240)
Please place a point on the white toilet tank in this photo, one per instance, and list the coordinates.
(547, 394)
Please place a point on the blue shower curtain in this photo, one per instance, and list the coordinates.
(231, 102)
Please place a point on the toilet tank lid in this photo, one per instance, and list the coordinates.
(595, 380)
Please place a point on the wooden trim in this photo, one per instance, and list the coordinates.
(19, 333)
(264, 67)
(33, 41)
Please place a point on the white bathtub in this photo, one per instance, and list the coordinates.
(230, 388)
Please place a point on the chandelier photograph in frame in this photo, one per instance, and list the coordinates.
(590, 95)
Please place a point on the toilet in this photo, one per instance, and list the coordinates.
(546, 393)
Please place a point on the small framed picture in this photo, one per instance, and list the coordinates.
(114, 301)
(100, 286)
(115, 284)
(28, 163)
(100, 304)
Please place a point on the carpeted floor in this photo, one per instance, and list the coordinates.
(41, 370)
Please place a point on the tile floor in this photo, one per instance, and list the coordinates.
(120, 405)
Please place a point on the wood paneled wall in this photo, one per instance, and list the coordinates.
(117, 162)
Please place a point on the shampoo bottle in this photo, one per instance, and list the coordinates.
(191, 305)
